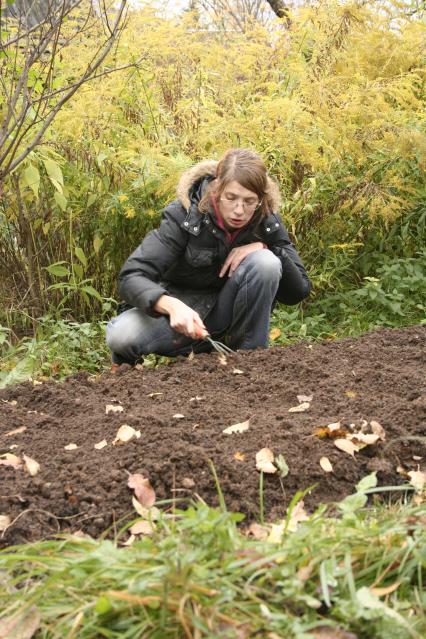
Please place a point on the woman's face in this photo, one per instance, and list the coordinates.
(237, 205)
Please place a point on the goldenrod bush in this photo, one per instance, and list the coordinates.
(335, 104)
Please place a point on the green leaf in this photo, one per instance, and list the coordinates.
(78, 270)
(366, 483)
(103, 605)
(54, 171)
(32, 178)
(81, 256)
(282, 465)
(58, 270)
(61, 201)
(92, 291)
(352, 503)
(91, 199)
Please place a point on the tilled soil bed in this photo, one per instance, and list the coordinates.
(379, 376)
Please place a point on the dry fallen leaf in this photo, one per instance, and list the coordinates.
(144, 492)
(9, 459)
(154, 394)
(264, 459)
(331, 632)
(241, 427)
(31, 465)
(346, 445)
(239, 456)
(382, 592)
(16, 431)
(325, 464)
(304, 398)
(21, 625)
(237, 371)
(125, 434)
(4, 522)
(351, 394)
(13, 402)
(299, 409)
(417, 479)
(178, 416)
(378, 429)
(197, 398)
(101, 444)
(113, 408)
(258, 532)
(71, 447)
(152, 514)
(188, 482)
(274, 333)
(222, 359)
(142, 528)
(417, 458)
(334, 426)
(363, 439)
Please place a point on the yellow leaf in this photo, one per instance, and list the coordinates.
(274, 333)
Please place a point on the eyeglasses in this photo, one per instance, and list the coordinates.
(249, 205)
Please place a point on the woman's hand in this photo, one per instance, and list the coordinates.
(183, 318)
(237, 255)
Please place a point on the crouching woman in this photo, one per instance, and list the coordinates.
(216, 265)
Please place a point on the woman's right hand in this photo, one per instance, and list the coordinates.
(183, 318)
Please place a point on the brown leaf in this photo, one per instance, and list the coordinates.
(4, 522)
(417, 479)
(125, 434)
(22, 625)
(325, 464)
(16, 431)
(331, 632)
(142, 527)
(378, 429)
(239, 456)
(258, 532)
(346, 445)
(264, 461)
(101, 444)
(363, 439)
(31, 465)
(304, 406)
(382, 592)
(304, 398)
(71, 447)
(9, 459)
(144, 492)
(113, 408)
(241, 427)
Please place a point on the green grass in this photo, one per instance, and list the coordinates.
(199, 576)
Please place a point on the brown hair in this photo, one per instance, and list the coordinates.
(248, 169)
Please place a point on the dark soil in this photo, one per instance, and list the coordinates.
(379, 376)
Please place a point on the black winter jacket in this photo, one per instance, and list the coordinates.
(184, 256)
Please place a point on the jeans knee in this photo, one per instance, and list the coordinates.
(266, 265)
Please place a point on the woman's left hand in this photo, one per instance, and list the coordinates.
(237, 255)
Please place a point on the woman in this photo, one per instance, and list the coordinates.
(216, 265)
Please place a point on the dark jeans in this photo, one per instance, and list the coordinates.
(241, 312)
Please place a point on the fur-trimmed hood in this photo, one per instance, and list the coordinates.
(207, 169)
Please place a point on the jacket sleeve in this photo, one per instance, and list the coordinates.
(138, 281)
(294, 285)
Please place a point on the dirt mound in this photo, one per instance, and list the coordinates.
(376, 377)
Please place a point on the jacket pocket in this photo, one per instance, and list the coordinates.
(199, 257)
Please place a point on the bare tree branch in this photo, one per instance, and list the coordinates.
(30, 55)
